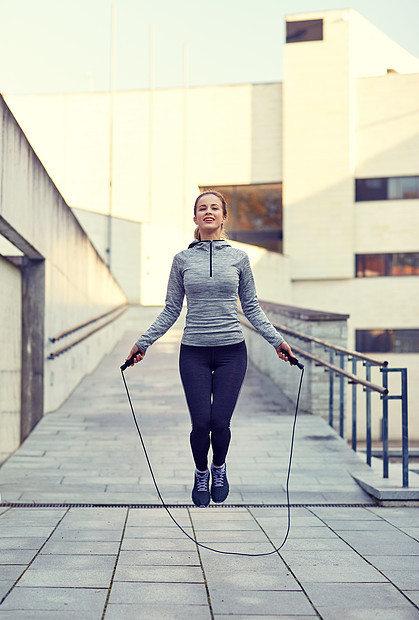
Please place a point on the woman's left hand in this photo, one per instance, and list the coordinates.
(284, 347)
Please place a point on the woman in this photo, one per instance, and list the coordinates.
(213, 356)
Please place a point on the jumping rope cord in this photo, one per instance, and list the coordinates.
(252, 555)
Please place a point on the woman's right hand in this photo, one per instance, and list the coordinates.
(137, 353)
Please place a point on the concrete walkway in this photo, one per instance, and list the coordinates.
(104, 549)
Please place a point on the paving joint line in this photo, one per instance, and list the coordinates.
(364, 558)
(105, 607)
(202, 566)
(287, 565)
(34, 557)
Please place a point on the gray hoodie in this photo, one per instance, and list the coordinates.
(211, 274)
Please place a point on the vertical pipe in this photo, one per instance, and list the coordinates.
(331, 391)
(368, 412)
(354, 412)
(150, 124)
(111, 131)
(341, 396)
(185, 128)
(385, 424)
(405, 438)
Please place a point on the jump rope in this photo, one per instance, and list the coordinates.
(294, 362)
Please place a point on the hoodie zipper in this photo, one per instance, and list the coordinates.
(210, 259)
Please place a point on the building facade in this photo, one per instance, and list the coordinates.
(322, 172)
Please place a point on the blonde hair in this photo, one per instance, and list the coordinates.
(197, 234)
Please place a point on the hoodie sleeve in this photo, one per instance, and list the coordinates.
(171, 311)
(251, 308)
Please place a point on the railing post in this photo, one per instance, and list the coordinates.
(341, 396)
(331, 391)
(368, 412)
(385, 424)
(354, 412)
(405, 439)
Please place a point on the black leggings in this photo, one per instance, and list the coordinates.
(212, 378)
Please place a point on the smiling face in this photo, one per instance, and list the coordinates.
(210, 215)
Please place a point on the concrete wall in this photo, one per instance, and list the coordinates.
(64, 280)
(326, 326)
(10, 356)
(125, 248)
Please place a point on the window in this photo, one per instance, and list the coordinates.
(401, 264)
(254, 213)
(309, 30)
(387, 340)
(387, 188)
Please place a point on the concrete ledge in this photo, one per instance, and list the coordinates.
(389, 492)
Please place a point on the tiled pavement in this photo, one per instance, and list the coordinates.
(345, 556)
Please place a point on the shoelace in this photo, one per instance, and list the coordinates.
(202, 482)
(218, 476)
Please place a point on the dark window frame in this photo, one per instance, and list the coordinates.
(387, 340)
(394, 264)
(266, 233)
(304, 30)
(387, 188)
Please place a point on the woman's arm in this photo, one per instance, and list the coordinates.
(254, 313)
(167, 317)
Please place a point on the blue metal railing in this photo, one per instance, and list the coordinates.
(339, 371)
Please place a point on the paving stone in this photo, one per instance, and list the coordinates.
(227, 601)
(381, 613)
(74, 547)
(10, 572)
(159, 574)
(278, 578)
(158, 558)
(23, 542)
(157, 612)
(337, 573)
(54, 600)
(66, 578)
(174, 594)
(347, 597)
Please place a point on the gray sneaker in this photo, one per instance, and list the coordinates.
(219, 487)
(200, 494)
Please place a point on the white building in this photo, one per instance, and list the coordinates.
(338, 140)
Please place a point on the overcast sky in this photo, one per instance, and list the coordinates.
(61, 46)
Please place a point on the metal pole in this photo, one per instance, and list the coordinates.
(385, 424)
(368, 412)
(185, 128)
(150, 124)
(331, 391)
(341, 397)
(405, 439)
(354, 362)
(111, 131)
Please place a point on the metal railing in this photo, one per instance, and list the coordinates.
(339, 372)
(116, 312)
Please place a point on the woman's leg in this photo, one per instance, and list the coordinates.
(196, 375)
(229, 365)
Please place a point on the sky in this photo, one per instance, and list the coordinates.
(63, 46)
